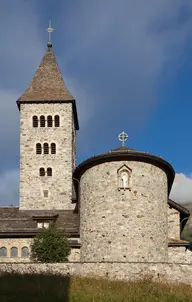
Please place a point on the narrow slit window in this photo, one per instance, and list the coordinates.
(46, 148)
(49, 121)
(38, 148)
(57, 121)
(14, 252)
(35, 121)
(49, 171)
(41, 172)
(24, 252)
(46, 193)
(42, 121)
(53, 148)
(3, 252)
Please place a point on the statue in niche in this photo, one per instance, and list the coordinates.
(124, 177)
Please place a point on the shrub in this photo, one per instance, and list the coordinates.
(50, 246)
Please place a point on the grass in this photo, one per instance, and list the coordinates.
(40, 288)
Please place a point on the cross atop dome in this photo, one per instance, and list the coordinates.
(123, 137)
(50, 30)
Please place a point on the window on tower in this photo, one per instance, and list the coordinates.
(42, 121)
(49, 121)
(57, 121)
(53, 148)
(41, 172)
(35, 121)
(14, 252)
(46, 148)
(38, 148)
(49, 171)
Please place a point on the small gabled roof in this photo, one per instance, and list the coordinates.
(47, 83)
(178, 207)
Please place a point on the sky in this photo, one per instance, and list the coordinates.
(127, 63)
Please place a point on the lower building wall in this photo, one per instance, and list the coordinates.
(19, 244)
(169, 272)
(179, 254)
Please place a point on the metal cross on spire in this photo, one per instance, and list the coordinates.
(50, 30)
(123, 137)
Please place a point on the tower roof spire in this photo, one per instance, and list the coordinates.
(47, 83)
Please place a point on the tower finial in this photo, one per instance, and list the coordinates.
(123, 137)
(50, 29)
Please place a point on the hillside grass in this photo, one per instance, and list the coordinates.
(40, 288)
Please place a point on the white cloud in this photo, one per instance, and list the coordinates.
(182, 189)
(9, 188)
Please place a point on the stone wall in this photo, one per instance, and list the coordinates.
(19, 243)
(171, 272)
(179, 254)
(173, 223)
(123, 225)
(32, 185)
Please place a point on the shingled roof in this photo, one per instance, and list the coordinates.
(15, 222)
(47, 83)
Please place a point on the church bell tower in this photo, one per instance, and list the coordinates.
(48, 124)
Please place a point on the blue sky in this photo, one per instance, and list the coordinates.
(128, 64)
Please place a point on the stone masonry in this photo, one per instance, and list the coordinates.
(173, 224)
(123, 225)
(32, 185)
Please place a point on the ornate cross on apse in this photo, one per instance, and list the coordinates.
(123, 137)
(50, 29)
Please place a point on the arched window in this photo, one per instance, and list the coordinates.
(57, 121)
(14, 252)
(46, 148)
(49, 121)
(3, 252)
(53, 148)
(35, 121)
(38, 148)
(49, 171)
(42, 121)
(41, 172)
(24, 252)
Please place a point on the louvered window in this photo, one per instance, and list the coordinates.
(42, 121)
(41, 172)
(35, 121)
(46, 148)
(57, 121)
(45, 193)
(38, 148)
(53, 148)
(49, 171)
(49, 121)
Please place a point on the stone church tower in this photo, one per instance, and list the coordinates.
(48, 124)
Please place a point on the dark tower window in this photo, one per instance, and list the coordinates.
(46, 148)
(41, 172)
(38, 148)
(49, 121)
(49, 171)
(57, 121)
(42, 121)
(35, 121)
(53, 148)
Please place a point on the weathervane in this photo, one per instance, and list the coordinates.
(123, 137)
(50, 29)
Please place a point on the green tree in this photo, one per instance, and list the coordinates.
(50, 246)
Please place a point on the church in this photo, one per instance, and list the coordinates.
(114, 206)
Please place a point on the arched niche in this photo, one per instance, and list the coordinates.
(124, 178)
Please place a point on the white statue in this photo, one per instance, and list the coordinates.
(124, 179)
